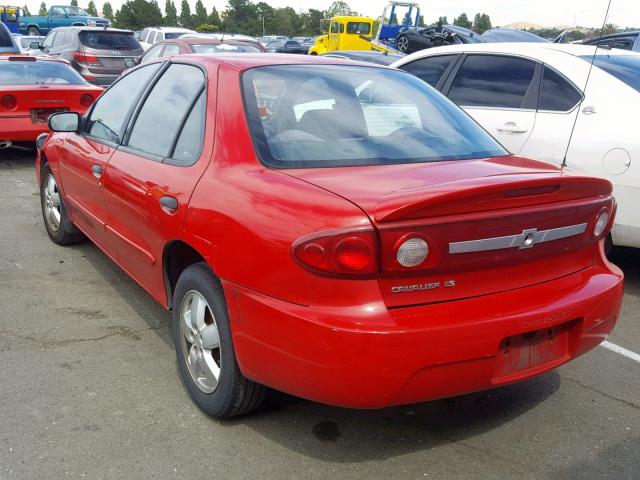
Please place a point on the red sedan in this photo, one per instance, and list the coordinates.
(337, 231)
(33, 88)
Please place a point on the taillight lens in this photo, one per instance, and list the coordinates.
(412, 252)
(81, 57)
(602, 222)
(86, 100)
(9, 102)
(350, 253)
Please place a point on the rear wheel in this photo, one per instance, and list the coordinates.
(403, 43)
(35, 31)
(54, 212)
(204, 347)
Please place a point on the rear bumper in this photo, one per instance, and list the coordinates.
(21, 129)
(425, 352)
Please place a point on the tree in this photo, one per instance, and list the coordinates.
(201, 13)
(287, 21)
(74, 3)
(214, 18)
(43, 9)
(421, 21)
(610, 28)
(185, 14)
(481, 23)
(443, 20)
(171, 13)
(91, 9)
(339, 7)
(107, 11)
(463, 21)
(25, 11)
(242, 16)
(137, 14)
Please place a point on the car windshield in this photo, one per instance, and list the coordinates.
(172, 35)
(30, 73)
(276, 43)
(75, 11)
(109, 40)
(339, 115)
(224, 47)
(625, 68)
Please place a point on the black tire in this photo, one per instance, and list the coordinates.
(233, 395)
(609, 248)
(66, 233)
(403, 43)
(35, 31)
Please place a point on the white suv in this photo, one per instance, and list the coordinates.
(151, 35)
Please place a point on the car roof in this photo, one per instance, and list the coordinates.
(206, 41)
(172, 29)
(523, 49)
(81, 28)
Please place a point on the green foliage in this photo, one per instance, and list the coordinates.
(137, 14)
(214, 18)
(26, 11)
(91, 9)
(481, 22)
(74, 3)
(610, 28)
(170, 14)
(463, 21)
(107, 11)
(421, 21)
(339, 7)
(207, 28)
(43, 9)
(443, 20)
(201, 14)
(185, 14)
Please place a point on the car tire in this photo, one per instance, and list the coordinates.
(403, 43)
(54, 212)
(202, 335)
(34, 31)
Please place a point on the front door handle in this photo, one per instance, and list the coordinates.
(168, 203)
(96, 170)
(589, 110)
(511, 127)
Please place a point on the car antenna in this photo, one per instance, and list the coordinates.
(593, 59)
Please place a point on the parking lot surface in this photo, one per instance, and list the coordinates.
(89, 388)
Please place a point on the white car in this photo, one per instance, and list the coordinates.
(24, 44)
(151, 35)
(531, 96)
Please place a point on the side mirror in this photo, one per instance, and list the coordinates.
(64, 122)
(35, 46)
(131, 62)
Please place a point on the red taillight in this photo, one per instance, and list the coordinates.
(9, 102)
(339, 252)
(86, 100)
(81, 57)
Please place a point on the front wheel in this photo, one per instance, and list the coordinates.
(34, 31)
(54, 212)
(204, 347)
(403, 43)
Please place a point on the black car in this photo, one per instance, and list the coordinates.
(99, 54)
(377, 58)
(286, 46)
(624, 40)
(411, 40)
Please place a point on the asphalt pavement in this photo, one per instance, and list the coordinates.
(89, 388)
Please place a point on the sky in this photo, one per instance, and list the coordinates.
(587, 13)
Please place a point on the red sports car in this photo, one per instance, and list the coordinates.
(31, 89)
(338, 231)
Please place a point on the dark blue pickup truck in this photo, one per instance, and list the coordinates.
(60, 16)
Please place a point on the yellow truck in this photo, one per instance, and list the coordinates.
(347, 33)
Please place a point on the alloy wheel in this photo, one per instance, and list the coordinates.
(52, 203)
(201, 341)
(403, 44)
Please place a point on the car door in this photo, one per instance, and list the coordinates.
(500, 92)
(61, 40)
(47, 43)
(433, 69)
(153, 53)
(558, 105)
(150, 178)
(58, 17)
(170, 49)
(85, 156)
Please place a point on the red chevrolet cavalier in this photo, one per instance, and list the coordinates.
(337, 231)
(33, 88)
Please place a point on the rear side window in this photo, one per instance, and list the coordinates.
(189, 144)
(171, 50)
(111, 109)
(493, 81)
(430, 69)
(165, 109)
(109, 40)
(556, 93)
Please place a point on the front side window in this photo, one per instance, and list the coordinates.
(430, 69)
(359, 28)
(171, 50)
(112, 108)
(57, 12)
(75, 11)
(335, 27)
(493, 81)
(556, 93)
(625, 68)
(165, 109)
(48, 42)
(319, 116)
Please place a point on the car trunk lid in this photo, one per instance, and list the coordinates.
(40, 101)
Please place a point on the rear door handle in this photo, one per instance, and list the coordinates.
(511, 127)
(96, 170)
(169, 203)
(589, 110)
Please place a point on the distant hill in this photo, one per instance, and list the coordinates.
(524, 26)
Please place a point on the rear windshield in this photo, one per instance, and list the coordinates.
(625, 68)
(224, 47)
(30, 73)
(340, 115)
(172, 35)
(109, 40)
